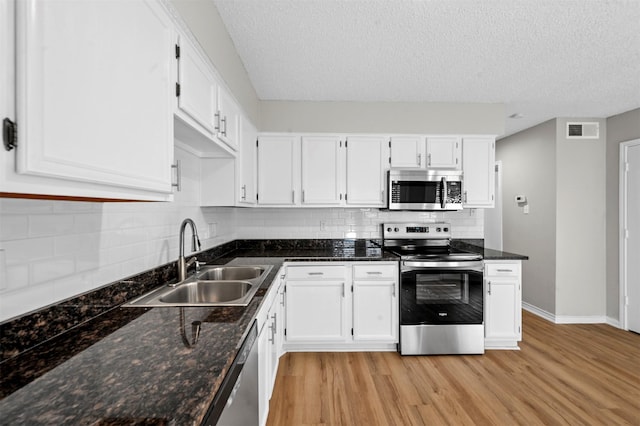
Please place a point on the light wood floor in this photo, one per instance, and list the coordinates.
(563, 375)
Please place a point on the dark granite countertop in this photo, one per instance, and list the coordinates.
(112, 365)
(477, 246)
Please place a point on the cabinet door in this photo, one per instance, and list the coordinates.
(276, 170)
(503, 310)
(366, 159)
(478, 165)
(248, 163)
(197, 97)
(407, 152)
(316, 311)
(375, 311)
(95, 87)
(443, 152)
(264, 372)
(227, 118)
(321, 170)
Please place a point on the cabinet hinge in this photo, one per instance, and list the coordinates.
(177, 51)
(345, 197)
(389, 160)
(257, 196)
(257, 143)
(351, 288)
(340, 144)
(389, 143)
(345, 144)
(285, 331)
(352, 331)
(178, 89)
(9, 134)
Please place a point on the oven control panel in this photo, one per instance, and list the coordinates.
(436, 230)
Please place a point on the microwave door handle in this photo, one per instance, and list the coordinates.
(443, 192)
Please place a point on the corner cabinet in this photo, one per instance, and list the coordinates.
(503, 304)
(351, 306)
(94, 100)
(478, 166)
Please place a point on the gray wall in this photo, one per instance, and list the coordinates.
(205, 23)
(381, 117)
(529, 168)
(620, 128)
(580, 223)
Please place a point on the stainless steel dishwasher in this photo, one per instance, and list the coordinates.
(236, 403)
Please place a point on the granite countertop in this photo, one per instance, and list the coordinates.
(88, 360)
(477, 246)
(131, 365)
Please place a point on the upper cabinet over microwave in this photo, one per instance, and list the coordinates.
(432, 152)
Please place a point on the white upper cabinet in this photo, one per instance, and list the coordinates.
(407, 152)
(197, 87)
(478, 164)
(95, 98)
(367, 157)
(248, 163)
(278, 170)
(443, 152)
(322, 170)
(227, 116)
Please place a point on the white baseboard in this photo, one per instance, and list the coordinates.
(569, 319)
(614, 322)
(539, 312)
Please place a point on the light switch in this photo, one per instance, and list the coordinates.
(525, 209)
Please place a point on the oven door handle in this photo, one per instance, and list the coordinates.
(408, 265)
(443, 192)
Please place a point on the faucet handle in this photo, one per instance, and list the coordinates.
(199, 264)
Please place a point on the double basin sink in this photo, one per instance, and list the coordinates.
(212, 286)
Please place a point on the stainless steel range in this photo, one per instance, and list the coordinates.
(441, 304)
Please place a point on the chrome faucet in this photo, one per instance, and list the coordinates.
(195, 245)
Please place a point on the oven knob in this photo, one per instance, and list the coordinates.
(438, 229)
(396, 229)
(388, 229)
(446, 229)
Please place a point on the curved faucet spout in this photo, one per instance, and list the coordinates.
(195, 245)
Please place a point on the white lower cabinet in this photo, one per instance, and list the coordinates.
(271, 328)
(341, 307)
(503, 304)
(316, 304)
(375, 303)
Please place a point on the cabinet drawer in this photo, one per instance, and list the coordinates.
(373, 271)
(502, 269)
(319, 272)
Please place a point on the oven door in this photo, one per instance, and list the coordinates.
(441, 295)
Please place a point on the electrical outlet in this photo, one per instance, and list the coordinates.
(525, 209)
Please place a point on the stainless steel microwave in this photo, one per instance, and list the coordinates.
(424, 189)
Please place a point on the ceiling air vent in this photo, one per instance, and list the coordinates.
(589, 130)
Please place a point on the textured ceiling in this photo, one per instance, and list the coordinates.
(541, 58)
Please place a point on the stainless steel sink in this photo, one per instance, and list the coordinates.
(199, 292)
(213, 286)
(230, 273)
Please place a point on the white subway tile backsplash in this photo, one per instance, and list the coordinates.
(49, 225)
(14, 227)
(47, 270)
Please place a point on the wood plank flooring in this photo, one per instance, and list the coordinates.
(563, 375)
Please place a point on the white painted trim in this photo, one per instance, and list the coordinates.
(622, 225)
(613, 322)
(539, 312)
(587, 319)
